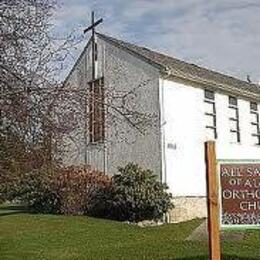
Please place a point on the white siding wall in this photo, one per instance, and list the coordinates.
(183, 107)
(243, 150)
(184, 130)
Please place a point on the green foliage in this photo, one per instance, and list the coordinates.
(35, 189)
(27, 186)
(69, 191)
(134, 194)
(138, 195)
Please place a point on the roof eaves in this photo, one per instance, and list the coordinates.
(216, 85)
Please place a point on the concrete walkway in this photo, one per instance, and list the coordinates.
(201, 234)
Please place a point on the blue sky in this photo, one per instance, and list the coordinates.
(223, 35)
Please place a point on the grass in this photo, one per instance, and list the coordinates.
(31, 236)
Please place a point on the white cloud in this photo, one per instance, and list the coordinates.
(222, 35)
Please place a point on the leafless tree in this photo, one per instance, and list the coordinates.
(36, 110)
(30, 60)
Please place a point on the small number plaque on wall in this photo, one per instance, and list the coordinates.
(239, 193)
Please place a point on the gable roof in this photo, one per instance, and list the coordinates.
(182, 69)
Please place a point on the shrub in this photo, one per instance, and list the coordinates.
(35, 190)
(80, 190)
(134, 194)
(68, 190)
(64, 190)
(16, 184)
(137, 195)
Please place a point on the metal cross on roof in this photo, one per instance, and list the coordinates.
(92, 28)
(93, 23)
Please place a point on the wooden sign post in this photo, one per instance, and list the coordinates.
(213, 201)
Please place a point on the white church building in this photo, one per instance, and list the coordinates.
(191, 105)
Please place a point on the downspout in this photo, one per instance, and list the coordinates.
(165, 74)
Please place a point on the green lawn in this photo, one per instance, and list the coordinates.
(28, 236)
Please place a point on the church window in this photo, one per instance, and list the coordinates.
(96, 51)
(210, 115)
(234, 120)
(96, 111)
(232, 101)
(255, 129)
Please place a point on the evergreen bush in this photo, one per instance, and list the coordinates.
(138, 195)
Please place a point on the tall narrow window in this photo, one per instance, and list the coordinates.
(210, 115)
(255, 129)
(96, 51)
(234, 120)
(96, 111)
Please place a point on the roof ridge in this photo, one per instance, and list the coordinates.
(120, 42)
(183, 67)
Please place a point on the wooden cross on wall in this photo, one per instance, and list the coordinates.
(92, 28)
